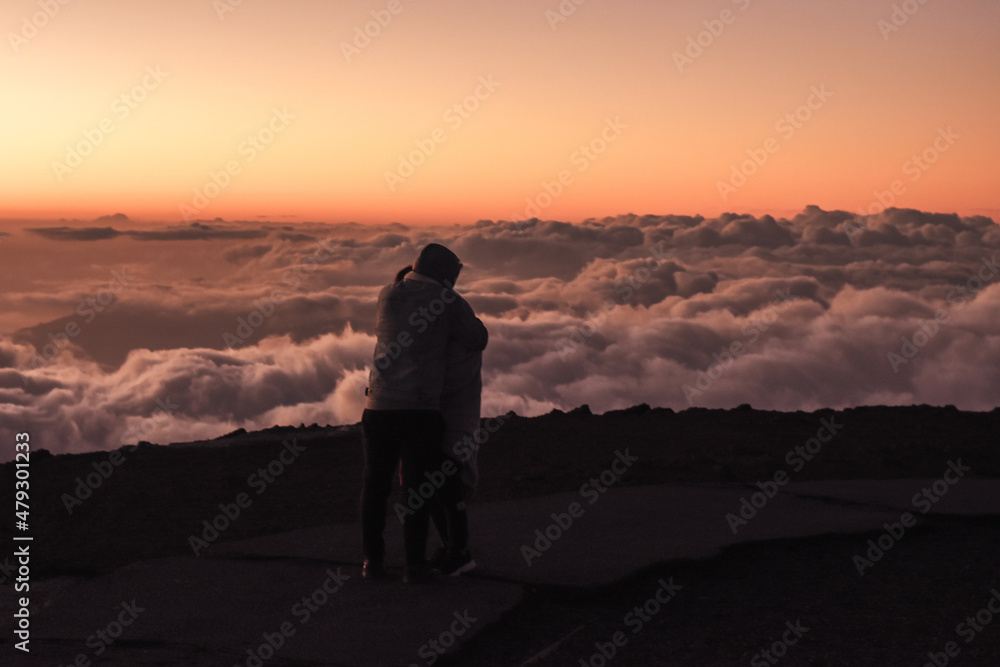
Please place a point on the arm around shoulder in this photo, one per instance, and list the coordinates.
(468, 329)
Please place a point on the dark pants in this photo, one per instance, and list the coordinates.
(449, 515)
(390, 436)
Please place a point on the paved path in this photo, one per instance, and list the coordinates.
(302, 592)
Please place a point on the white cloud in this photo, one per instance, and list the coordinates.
(577, 314)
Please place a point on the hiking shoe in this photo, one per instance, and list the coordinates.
(373, 570)
(418, 574)
(452, 566)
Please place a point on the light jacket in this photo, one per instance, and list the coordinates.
(460, 406)
(415, 322)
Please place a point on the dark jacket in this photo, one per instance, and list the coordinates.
(415, 322)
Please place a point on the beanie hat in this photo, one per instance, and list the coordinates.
(437, 262)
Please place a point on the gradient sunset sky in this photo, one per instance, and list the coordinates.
(330, 124)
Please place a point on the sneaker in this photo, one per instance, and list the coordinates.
(418, 574)
(453, 566)
(373, 570)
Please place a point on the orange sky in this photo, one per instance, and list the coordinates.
(162, 96)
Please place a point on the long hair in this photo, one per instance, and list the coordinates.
(402, 272)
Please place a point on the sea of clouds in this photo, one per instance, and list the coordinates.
(175, 333)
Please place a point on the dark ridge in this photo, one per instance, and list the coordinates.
(148, 498)
(640, 409)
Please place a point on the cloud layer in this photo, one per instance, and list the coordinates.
(189, 332)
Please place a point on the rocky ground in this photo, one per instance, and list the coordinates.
(94, 512)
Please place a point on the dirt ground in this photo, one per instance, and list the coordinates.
(90, 516)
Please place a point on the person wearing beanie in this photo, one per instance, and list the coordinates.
(419, 318)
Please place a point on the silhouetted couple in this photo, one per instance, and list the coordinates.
(423, 397)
